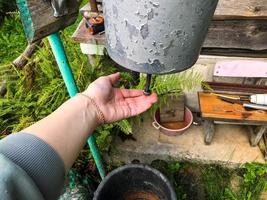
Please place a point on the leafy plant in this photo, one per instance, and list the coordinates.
(253, 183)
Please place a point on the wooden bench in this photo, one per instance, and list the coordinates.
(216, 111)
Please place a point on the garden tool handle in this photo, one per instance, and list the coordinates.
(255, 106)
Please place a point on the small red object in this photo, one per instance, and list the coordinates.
(95, 24)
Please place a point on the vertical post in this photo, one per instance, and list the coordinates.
(64, 67)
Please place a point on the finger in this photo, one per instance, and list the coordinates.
(141, 104)
(143, 99)
(131, 93)
(137, 108)
(114, 78)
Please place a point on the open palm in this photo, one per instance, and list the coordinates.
(116, 103)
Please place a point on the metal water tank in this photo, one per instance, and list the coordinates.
(156, 36)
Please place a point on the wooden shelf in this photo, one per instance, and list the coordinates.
(82, 35)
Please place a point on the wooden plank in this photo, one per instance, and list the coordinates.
(214, 108)
(234, 52)
(232, 87)
(39, 21)
(237, 34)
(173, 110)
(209, 131)
(256, 137)
(233, 9)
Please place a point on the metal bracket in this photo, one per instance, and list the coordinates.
(60, 7)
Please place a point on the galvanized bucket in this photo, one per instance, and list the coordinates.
(156, 36)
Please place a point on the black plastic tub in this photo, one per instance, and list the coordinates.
(135, 182)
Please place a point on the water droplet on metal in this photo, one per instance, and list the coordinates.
(155, 4)
(144, 31)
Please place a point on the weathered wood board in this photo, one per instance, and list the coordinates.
(241, 9)
(237, 34)
(216, 109)
(173, 110)
(38, 19)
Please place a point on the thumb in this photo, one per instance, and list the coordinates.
(114, 78)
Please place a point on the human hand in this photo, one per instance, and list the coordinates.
(116, 103)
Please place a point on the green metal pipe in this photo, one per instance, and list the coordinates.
(64, 67)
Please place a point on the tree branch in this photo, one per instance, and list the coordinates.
(23, 59)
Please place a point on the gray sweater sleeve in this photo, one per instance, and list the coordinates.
(38, 159)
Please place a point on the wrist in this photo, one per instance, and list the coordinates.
(92, 109)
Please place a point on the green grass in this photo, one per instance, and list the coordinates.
(12, 39)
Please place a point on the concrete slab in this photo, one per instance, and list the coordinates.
(230, 146)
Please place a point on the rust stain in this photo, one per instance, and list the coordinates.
(137, 195)
(246, 115)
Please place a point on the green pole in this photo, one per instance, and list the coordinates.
(64, 67)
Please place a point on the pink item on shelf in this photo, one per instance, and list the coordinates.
(241, 68)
